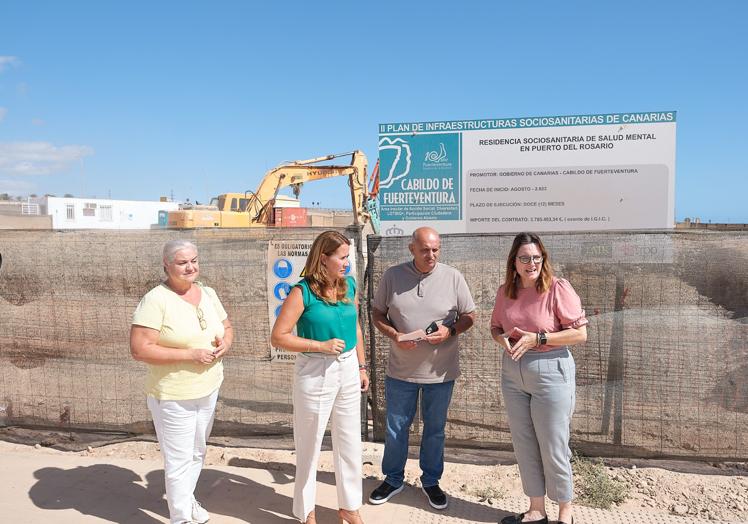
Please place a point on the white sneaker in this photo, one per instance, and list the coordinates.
(199, 514)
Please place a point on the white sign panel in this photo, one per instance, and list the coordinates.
(565, 173)
(286, 259)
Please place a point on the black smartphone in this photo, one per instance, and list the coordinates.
(432, 327)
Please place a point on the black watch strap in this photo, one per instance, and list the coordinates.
(452, 331)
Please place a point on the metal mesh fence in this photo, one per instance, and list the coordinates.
(663, 370)
(662, 373)
(66, 302)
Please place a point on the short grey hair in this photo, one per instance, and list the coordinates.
(173, 246)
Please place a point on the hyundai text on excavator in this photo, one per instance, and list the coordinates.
(255, 209)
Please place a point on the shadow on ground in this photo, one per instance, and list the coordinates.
(116, 494)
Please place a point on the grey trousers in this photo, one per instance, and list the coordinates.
(539, 392)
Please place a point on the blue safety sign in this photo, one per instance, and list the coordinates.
(281, 290)
(282, 268)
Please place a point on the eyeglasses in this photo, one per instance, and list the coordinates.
(526, 260)
(201, 318)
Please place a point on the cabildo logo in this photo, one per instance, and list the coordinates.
(436, 157)
(400, 165)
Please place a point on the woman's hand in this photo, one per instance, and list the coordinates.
(334, 346)
(220, 347)
(203, 356)
(527, 340)
(364, 379)
(503, 341)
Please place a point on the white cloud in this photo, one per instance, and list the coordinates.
(3, 112)
(39, 158)
(8, 61)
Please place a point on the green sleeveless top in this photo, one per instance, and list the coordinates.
(323, 320)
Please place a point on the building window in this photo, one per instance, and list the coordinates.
(89, 209)
(27, 208)
(105, 214)
(71, 211)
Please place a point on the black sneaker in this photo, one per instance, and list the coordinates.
(436, 496)
(384, 493)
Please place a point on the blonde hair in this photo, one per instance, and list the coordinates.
(511, 281)
(314, 272)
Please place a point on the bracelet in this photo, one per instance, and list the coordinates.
(362, 366)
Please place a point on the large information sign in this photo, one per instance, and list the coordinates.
(286, 259)
(550, 173)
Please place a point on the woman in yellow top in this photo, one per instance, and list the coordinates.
(181, 331)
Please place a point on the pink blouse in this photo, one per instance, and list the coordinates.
(558, 308)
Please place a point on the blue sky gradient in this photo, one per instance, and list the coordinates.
(140, 99)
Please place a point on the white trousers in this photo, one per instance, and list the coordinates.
(324, 386)
(182, 428)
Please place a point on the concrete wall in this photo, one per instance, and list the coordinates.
(25, 222)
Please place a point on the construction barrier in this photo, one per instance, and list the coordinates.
(662, 372)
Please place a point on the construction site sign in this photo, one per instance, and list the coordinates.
(548, 173)
(285, 267)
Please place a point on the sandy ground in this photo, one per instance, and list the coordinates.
(708, 491)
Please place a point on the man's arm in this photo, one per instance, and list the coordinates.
(385, 327)
(464, 322)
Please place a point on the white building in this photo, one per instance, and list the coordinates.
(99, 213)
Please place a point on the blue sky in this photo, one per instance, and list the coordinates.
(141, 99)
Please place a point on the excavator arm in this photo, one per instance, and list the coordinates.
(255, 208)
(297, 173)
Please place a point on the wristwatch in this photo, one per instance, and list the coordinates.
(452, 331)
(542, 339)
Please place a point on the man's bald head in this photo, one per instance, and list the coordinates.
(422, 233)
(424, 246)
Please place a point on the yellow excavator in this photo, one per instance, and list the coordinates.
(255, 209)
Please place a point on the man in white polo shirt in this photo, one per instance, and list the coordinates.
(420, 294)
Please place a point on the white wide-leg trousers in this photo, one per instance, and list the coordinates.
(182, 428)
(324, 386)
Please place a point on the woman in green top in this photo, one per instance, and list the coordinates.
(330, 374)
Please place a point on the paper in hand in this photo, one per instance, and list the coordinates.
(416, 335)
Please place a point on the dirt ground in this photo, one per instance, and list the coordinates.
(710, 491)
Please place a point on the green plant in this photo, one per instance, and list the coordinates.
(489, 493)
(593, 486)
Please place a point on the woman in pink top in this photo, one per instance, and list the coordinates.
(535, 319)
